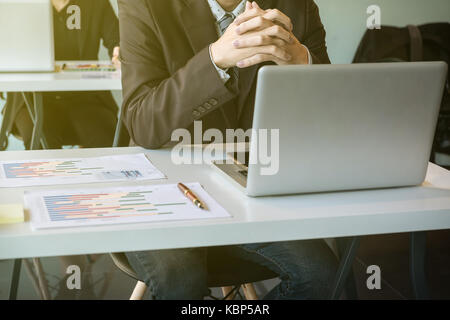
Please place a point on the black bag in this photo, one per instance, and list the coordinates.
(430, 42)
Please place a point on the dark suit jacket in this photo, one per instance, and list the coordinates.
(168, 78)
(98, 22)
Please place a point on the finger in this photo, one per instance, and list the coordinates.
(256, 59)
(271, 50)
(248, 6)
(279, 32)
(248, 15)
(276, 15)
(255, 41)
(257, 23)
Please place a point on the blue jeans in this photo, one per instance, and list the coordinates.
(306, 269)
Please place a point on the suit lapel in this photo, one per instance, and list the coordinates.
(199, 24)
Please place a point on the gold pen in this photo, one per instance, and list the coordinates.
(191, 196)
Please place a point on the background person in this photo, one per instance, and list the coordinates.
(86, 119)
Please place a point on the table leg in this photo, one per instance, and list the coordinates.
(43, 285)
(32, 276)
(3, 133)
(418, 241)
(118, 132)
(347, 257)
(15, 279)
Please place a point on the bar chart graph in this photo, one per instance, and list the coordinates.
(106, 205)
(118, 205)
(45, 169)
(77, 170)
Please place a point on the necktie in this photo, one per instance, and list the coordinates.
(224, 23)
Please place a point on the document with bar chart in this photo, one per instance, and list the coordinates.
(80, 170)
(120, 205)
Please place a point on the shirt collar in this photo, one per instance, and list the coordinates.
(218, 12)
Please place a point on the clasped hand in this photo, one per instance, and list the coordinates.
(258, 36)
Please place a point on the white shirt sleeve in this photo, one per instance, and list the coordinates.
(223, 74)
(309, 55)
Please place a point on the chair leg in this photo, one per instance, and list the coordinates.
(418, 242)
(350, 287)
(249, 291)
(226, 291)
(139, 291)
(345, 267)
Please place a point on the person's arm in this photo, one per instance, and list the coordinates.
(109, 28)
(315, 35)
(157, 102)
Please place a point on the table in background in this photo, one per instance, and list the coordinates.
(37, 83)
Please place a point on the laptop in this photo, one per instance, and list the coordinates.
(26, 35)
(341, 127)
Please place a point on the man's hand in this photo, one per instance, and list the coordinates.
(258, 36)
(265, 42)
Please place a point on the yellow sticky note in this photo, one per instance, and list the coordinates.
(11, 213)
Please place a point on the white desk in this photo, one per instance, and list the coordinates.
(61, 81)
(53, 82)
(343, 214)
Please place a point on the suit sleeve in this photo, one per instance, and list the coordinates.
(157, 102)
(315, 35)
(109, 28)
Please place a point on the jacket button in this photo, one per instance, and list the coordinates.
(207, 106)
(196, 114)
(201, 109)
(213, 102)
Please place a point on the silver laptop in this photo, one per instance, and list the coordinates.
(343, 127)
(26, 35)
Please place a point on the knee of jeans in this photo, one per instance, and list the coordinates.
(175, 283)
(316, 282)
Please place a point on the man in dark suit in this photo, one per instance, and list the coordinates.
(196, 60)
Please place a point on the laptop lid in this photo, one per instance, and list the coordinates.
(346, 127)
(26, 35)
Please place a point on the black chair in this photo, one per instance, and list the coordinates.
(223, 271)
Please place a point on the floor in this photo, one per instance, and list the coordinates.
(102, 280)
